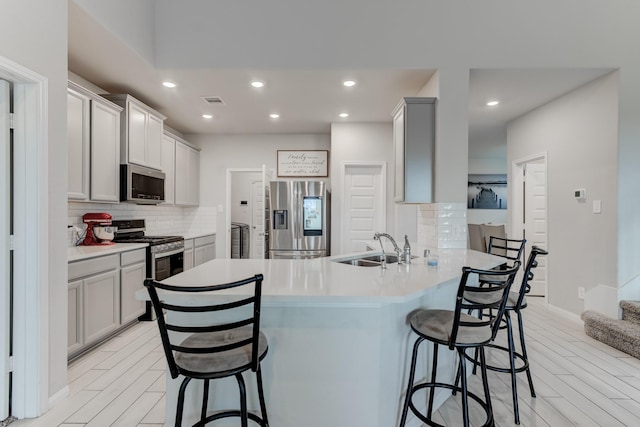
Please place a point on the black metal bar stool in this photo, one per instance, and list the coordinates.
(217, 347)
(509, 249)
(458, 331)
(516, 301)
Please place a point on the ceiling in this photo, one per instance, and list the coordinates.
(308, 101)
(519, 91)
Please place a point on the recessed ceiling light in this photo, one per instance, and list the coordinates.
(274, 116)
(168, 84)
(207, 116)
(344, 115)
(257, 84)
(493, 103)
(349, 83)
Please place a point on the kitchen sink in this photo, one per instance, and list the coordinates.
(367, 260)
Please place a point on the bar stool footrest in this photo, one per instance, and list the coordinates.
(227, 414)
(524, 367)
(454, 389)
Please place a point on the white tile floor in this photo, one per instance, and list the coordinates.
(579, 381)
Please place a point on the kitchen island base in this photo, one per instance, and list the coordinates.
(339, 366)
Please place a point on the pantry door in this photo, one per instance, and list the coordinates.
(5, 255)
(530, 214)
(257, 220)
(363, 204)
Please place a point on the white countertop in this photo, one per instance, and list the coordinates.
(196, 234)
(323, 281)
(79, 253)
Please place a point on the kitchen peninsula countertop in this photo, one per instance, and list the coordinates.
(324, 281)
(79, 253)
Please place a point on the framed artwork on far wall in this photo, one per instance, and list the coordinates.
(303, 163)
(487, 191)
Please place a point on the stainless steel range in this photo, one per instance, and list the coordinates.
(165, 254)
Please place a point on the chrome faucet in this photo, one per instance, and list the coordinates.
(377, 237)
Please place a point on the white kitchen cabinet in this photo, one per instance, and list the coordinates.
(154, 141)
(75, 339)
(187, 175)
(93, 129)
(132, 275)
(78, 134)
(141, 132)
(101, 297)
(188, 254)
(414, 150)
(137, 119)
(204, 249)
(168, 167)
(105, 152)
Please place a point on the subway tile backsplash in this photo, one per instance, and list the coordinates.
(160, 220)
(442, 225)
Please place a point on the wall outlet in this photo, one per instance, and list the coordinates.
(580, 292)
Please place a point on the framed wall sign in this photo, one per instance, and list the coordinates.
(305, 163)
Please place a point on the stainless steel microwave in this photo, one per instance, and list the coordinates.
(141, 185)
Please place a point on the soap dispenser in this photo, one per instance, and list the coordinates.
(407, 250)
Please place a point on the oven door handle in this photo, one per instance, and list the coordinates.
(166, 254)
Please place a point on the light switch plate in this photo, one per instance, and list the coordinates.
(597, 206)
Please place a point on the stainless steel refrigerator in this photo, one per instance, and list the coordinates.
(299, 212)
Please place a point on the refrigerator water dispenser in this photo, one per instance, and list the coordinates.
(280, 219)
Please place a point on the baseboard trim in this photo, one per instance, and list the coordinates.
(58, 396)
(566, 314)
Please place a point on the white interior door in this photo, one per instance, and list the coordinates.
(257, 220)
(363, 210)
(5, 215)
(530, 215)
(535, 220)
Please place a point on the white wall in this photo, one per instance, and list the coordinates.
(359, 142)
(35, 36)
(221, 152)
(579, 131)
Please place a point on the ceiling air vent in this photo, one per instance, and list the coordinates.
(213, 100)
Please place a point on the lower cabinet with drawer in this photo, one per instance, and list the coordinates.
(132, 275)
(199, 250)
(101, 297)
(204, 249)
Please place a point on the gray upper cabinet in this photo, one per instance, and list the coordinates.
(168, 167)
(78, 130)
(414, 150)
(181, 166)
(187, 175)
(93, 129)
(141, 132)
